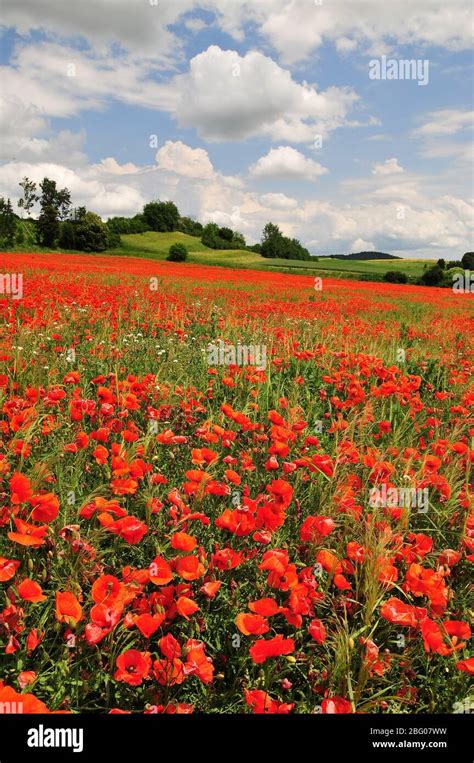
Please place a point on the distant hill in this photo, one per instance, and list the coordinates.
(361, 256)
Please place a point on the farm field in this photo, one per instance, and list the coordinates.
(156, 246)
(183, 534)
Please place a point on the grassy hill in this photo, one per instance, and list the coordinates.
(152, 245)
(155, 246)
(413, 268)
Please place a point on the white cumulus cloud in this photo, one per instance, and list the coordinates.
(286, 162)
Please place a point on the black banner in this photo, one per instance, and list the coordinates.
(115, 737)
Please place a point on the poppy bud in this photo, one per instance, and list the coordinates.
(351, 642)
(30, 565)
(290, 658)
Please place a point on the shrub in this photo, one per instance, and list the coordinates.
(177, 253)
(395, 276)
(226, 233)
(468, 261)
(136, 224)
(190, 226)
(113, 240)
(91, 233)
(433, 276)
(161, 216)
(274, 244)
(20, 237)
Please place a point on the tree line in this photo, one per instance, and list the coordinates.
(58, 225)
(61, 225)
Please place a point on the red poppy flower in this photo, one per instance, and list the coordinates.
(314, 528)
(317, 631)
(8, 567)
(45, 507)
(24, 703)
(20, 488)
(197, 663)
(189, 568)
(148, 624)
(132, 667)
(129, 528)
(25, 678)
(396, 611)
(30, 591)
(27, 534)
(33, 639)
(186, 607)
(263, 649)
(210, 589)
(169, 672)
(68, 609)
(251, 625)
(266, 607)
(457, 629)
(261, 702)
(336, 704)
(107, 589)
(160, 571)
(183, 542)
(466, 665)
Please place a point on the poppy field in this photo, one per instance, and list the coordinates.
(181, 536)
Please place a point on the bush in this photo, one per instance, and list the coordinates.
(189, 226)
(161, 216)
(395, 276)
(226, 233)
(91, 233)
(20, 237)
(136, 224)
(274, 244)
(468, 261)
(113, 240)
(222, 238)
(433, 276)
(177, 253)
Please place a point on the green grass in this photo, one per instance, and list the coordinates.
(413, 268)
(152, 245)
(155, 246)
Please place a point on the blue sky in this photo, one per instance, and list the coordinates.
(218, 105)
